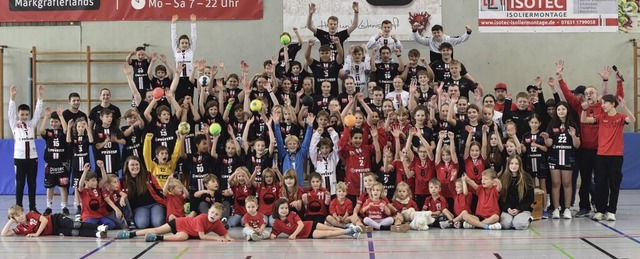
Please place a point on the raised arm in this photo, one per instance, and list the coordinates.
(354, 23)
(310, 25)
(245, 135)
(307, 53)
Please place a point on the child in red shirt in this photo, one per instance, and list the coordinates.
(267, 191)
(488, 210)
(357, 155)
(438, 206)
(240, 189)
(422, 166)
(253, 221)
(185, 228)
(446, 162)
(316, 200)
(94, 207)
(340, 207)
(290, 223)
(402, 200)
(291, 191)
(175, 197)
(33, 224)
(375, 209)
(461, 201)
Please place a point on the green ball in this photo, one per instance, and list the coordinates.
(187, 208)
(215, 129)
(285, 39)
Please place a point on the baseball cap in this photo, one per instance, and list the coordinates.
(579, 90)
(502, 86)
(532, 86)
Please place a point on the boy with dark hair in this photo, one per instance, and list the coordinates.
(438, 37)
(410, 73)
(25, 157)
(441, 67)
(332, 24)
(74, 111)
(55, 171)
(107, 138)
(385, 71)
(141, 67)
(325, 69)
(520, 116)
(610, 153)
(163, 73)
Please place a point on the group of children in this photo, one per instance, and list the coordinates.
(401, 147)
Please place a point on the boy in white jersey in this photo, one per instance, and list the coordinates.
(25, 156)
(183, 51)
(323, 153)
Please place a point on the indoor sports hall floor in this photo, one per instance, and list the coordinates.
(575, 238)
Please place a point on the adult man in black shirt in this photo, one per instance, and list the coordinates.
(332, 23)
(325, 69)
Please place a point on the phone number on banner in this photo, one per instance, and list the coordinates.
(539, 22)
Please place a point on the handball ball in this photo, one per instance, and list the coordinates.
(307, 101)
(285, 39)
(184, 128)
(204, 80)
(349, 120)
(255, 105)
(215, 129)
(187, 208)
(158, 93)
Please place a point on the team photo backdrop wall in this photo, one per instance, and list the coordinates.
(401, 13)
(127, 10)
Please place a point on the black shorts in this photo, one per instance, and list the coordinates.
(560, 167)
(313, 228)
(172, 225)
(56, 175)
(541, 174)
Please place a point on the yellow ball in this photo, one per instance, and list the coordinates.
(285, 39)
(184, 128)
(215, 129)
(255, 105)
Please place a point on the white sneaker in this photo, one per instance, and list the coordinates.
(598, 216)
(567, 214)
(495, 226)
(611, 216)
(556, 213)
(103, 228)
(467, 225)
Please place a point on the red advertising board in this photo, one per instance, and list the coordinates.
(127, 10)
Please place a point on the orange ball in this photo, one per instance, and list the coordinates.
(158, 92)
(349, 120)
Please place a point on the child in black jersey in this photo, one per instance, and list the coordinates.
(55, 171)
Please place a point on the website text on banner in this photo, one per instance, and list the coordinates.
(402, 15)
(128, 10)
(548, 16)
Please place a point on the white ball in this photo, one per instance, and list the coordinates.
(204, 80)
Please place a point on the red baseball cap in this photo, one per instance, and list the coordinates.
(500, 86)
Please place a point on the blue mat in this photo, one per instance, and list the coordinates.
(630, 179)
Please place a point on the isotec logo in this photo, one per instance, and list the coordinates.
(537, 5)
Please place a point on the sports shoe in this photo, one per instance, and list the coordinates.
(495, 226)
(77, 218)
(545, 214)
(47, 212)
(35, 210)
(224, 223)
(103, 228)
(65, 211)
(598, 216)
(457, 224)
(356, 230)
(445, 224)
(567, 214)
(583, 213)
(150, 237)
(556, 213)
(255, 237)
(123, 234)
(101, 234)
(467, 225)
(248, 237)
(79, 210)
(611, 216)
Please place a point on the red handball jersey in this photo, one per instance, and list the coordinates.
(175, 205)
(487, 202)
(444, 172)
(93, 205)
(473, 169)
(316, 202)
(433, 205)
(401, 175)
(400, 206)
(267, 196)
(32, 225)
(289, 225)
(461, 203)
(201, 223)
(610, 134)
(374, 212)
(341, 208)
(292, 197)
(240, 193)
(357, 162)
(253, 221)
(423, 174)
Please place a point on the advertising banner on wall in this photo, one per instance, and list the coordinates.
(401, 13)
(628, 19)
(127, 10)
(548, 15)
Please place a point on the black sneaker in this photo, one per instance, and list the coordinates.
(224, 223)
(65, 211)
(79, 210)
(583, 213)
(47, 212)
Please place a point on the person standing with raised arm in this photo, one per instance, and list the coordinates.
(183, 51)
(437, 38)
(325, 37)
